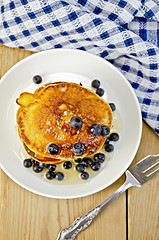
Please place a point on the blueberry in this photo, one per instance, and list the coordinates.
(52, 167)
(37, 79)
(87, 162)
(84, 175)
(96, 129)
(76, 122)
(27, 163)
(112, 105)
(59, 176)
(32, 160)
(78, 148)
(50, 175)
(36, 162)
(78, 160)
(99, 157)
(80, 167)
(109, 147)
(107, 140)
(96, 83)
(67, 165)
(105, 130)
(95, 166)
(52, 149)
(37, 169)
(100, 91)
(114, 137)
(43, 165)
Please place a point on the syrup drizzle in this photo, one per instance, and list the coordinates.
(71, 176)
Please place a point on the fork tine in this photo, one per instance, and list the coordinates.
(151, 168)
(145, 169)
(152, 173)
(146, 161)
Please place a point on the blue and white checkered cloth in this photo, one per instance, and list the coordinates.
(126, 33)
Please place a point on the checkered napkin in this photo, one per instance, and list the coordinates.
(126, 33)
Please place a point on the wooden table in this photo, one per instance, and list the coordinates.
(25, 215)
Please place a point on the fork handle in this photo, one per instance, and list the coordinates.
(86, 219)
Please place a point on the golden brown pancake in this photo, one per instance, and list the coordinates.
(42, 158)
(44, 118)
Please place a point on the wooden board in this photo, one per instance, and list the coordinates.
(143, 203)
(27, 216)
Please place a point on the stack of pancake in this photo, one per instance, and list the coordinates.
(44, 118)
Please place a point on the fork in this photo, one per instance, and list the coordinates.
(136, 176)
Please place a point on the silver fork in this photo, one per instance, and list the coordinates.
(136, 176)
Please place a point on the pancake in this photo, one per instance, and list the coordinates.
(42, 159)
(44, 118)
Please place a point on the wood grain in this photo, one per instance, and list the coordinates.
(27, 216)
(143, 203)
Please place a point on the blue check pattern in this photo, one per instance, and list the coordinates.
(126, 33)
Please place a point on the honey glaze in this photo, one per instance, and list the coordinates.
(71, 176)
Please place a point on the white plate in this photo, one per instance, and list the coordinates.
(77, 66)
